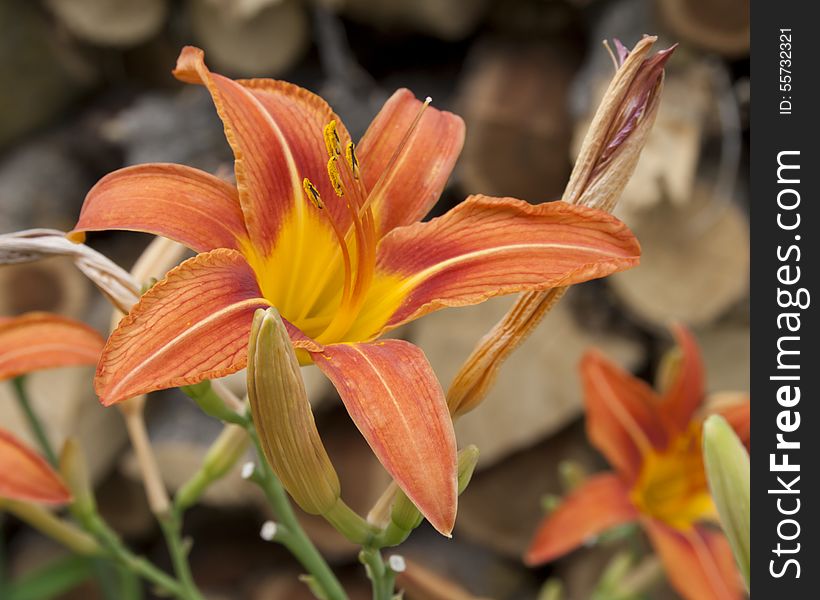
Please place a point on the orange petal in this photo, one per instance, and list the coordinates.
(621, 416)
(267, 178)
(25, 476)
(38, 340)
(416, 180)
(393, 396)
(486, 247)
(192, 325)
(698, 561)
(174, 201)
(598, 504)
(686, 390)
(302, 116)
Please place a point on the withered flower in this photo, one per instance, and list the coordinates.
(605, 163)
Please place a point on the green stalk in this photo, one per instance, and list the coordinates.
(136, 564)
(32, 420)
(87, 515)
(171, 525)
(382, 577)
(291, 534)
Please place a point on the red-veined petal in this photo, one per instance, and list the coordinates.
(25, 476)
(416, 180)
(302, 117)
(698, 561)
(269, 185)
(394, 398)
(184, 204)
(38, 340)
(192, 325)
(487, 247)
(599, 503)
(621, 414)
(685, 392)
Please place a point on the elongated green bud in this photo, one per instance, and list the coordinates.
(727, 469)
(74, 469)
(283, 418)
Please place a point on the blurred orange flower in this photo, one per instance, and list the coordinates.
(31, 342)
(330, 234)
(39, 340)
(654, 442)
(25, 476)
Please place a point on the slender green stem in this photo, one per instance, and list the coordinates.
(184, 589)
(171, 525)
(112, 543)
(33, 422)
(137, 564)
(381, 575)
(292, 536)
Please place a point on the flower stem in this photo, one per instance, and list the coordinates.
(42, 519)
(292, 536)
(136, 564)
(381, 576)
(171, 525)
(32, 420)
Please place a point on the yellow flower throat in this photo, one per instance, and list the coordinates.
(323, 279)
(672, 483)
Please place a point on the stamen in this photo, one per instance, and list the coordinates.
(334, 176)
(352, 161)
(312, 193)
(332, 142)
(314, 196)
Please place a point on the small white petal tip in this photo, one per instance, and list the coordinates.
(268, 531)
(247, 470)
(397, 563)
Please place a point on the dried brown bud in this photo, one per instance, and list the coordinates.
(605, 163)
(619, 129)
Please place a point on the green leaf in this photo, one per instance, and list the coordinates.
(52, 580)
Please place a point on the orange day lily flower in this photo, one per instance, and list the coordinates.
(39, 340)
(26, 476)
(31, 342)
(330, 234)
(654, 442)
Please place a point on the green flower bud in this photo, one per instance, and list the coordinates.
(727, 469)
(74, 469)
(283, 417)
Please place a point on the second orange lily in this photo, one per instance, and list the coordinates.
(654, 443)
(32, 342)
(329, 234)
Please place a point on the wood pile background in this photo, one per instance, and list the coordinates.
(88, 89)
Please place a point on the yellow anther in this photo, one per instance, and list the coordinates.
(332, 141)
(352, 161)
(335, 178)
(312, 193)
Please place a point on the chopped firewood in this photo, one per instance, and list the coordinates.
(251, 39)
(120, 23)
(720, 26)
(513, 100)
(694, 262)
